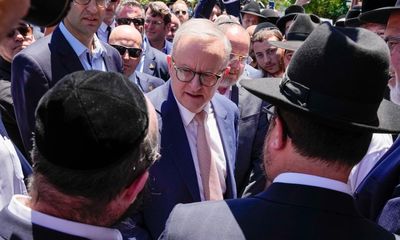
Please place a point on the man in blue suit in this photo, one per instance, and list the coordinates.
(73, 46)
(180, 176)
(308, 153)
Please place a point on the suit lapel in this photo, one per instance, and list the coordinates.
(227, 133)
(149, 61)
(176, 146)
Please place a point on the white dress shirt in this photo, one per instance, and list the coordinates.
(20, 210)
(312, 180)
(213, 138)
(11, 176)
(90, 60)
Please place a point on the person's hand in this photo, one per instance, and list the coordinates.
(10, 14)
(302, 2)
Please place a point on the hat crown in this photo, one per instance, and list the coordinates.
(368, 5)
(347, 65)
(90, 120)
(252, 6)
(267, 13)
(301, 28)
(294, 9)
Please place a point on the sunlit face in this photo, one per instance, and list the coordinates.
(240, 42)
(209, 58)
(132, 12)
(250, 19)
(216, 12)
(155, 27)
(269, 58)
(84, 20)
(181, 11)
(15, 41)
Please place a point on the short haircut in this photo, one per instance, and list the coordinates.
(202, 28)
(160, 9)
(179, 2)
(98, 186)
(129, 3)
(266, 33)
(314, 139)
(226, 19)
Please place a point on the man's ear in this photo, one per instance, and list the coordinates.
(169, 62)
(277, 139)
(130, 193)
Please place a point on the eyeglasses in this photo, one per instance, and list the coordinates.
(23, 29)
(239, 58)
(133, 52)
(392, 42)
(100, 3)
(154, 22)
(129, 21)
(271, 113)
(183, 12)
(185, 74)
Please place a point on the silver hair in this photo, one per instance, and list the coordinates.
(202, 28)
(128, 3)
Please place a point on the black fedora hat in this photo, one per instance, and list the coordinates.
(378, 11)
(270, 15)
(351, 19)
(290, 13)
(300, 29)
(264, 25)
(338, 76)
(252, 8)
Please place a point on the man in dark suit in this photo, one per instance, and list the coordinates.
(377, 197)
(128, 41)
(71, 47)
(184, 173)
(249, 173)
(320, 111)
(95, 138)
(153, 62)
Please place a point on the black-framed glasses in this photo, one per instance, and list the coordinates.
(133, 52)
(23, 29)
(185, 74)
(183, 12)
(271, 113)
(100, 3)
(147, 21)
(129, 21)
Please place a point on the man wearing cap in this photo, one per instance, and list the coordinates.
(128, 41)
(291, 12)
(73, 46)
(95, 138)
(251, 14)
(377, 197)
(249, 174)
(309, 148)
(198, 128)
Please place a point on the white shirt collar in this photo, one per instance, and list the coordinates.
(186, 115)
(18, 209)
(312, 180)
(78, 47)
(103, 26)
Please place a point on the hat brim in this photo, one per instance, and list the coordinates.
(252, 13)
(268, 90)
(380, 15)
(284, 19)
(352, 22)
(288, 45)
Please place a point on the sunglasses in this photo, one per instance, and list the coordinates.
(129, 21)
(24, 30)
(183, 12)
(133, 52)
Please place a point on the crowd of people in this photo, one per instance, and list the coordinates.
(221, 121)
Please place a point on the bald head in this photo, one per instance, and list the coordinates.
(129, 37)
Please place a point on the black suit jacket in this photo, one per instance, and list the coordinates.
(283, 212)
(38, 68)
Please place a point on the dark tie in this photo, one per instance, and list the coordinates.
(108, 30)
(208, 169)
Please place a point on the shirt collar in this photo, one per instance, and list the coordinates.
(312, 180)
(186, 115)
(26, 214)
(103, 26)
(78, 47)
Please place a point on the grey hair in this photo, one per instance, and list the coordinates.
(128, 3)
(202, 28)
